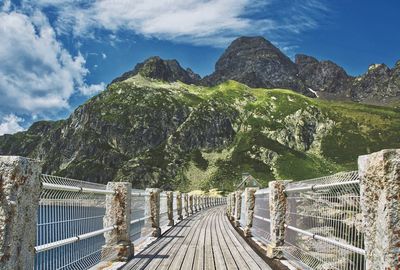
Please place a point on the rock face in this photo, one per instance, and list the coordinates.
(165, 70)
(325, 77)
(255, 62)
(174, 135)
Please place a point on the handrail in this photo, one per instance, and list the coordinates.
(328, 240)
(139, 219)
(50, 186)
(321, 186)
(73, 239)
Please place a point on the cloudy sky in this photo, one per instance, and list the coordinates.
(55, 54)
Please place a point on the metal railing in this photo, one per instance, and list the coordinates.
(140, 226)
(261, 221)
(323, 222)
(70, 231)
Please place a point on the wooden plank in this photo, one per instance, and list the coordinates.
(216, 244)
(252, 258)
(183, 246)
(144, 257)
(164, 256)
(188, 259)
(209, 262)
(229, 260)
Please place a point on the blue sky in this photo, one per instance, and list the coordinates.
(55, 54)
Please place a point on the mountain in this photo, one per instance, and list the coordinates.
(256, 62)
(165, 70)
(176, 135)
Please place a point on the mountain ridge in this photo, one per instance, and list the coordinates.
(256, 62)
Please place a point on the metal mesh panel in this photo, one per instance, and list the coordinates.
(65, 214)
(330, 208)
(163, 210)
(261, 225)
(140, 225)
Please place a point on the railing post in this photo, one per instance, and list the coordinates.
(170, 207)
(118, 213)
(155, 210)
(195, 203)
(191, 204)
(186, 204)
(199, 202)
(233, 203)
(179, 205)
(19, 202)
(380, 205)
(238, 206)
(250, 200)
(277, 208)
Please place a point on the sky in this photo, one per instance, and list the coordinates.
(56, 54)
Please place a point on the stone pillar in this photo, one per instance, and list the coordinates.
(19, 202)
(186, 203)
(250, 200)
(170, 208)
(277, 208)
(118, 212)
(179, 205)
(200, 203)
(238, 208)
(380, 205)
(233, 203)
(195, 203)
(191, 204)
(155, 210)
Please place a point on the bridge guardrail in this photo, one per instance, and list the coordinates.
(345, 221)
(51, 222)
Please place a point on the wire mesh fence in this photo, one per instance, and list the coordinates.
(140, 226)
(324, 223)
(64, 215)
(261, 221)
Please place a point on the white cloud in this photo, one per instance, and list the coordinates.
(103, 55)
(10, 124)
(37, 75)
(192, 21)
(92, 89)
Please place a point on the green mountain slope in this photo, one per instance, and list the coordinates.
(175, 135)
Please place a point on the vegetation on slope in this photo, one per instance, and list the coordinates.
(183, 136)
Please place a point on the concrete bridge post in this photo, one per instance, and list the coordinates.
(238, 206)
(186, 203)
(380, 205)
(155, 210)
(250, 200)
(277, 208)
(118, 212)
(19, 201)
(179, 205)
(233, 204)
(199, 202)
(170, 207)
(195, 203)
(191, 204)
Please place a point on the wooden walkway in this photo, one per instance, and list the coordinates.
(205, 240)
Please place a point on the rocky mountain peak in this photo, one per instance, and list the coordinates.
(160, 69)
(256, 62)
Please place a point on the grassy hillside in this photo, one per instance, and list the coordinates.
(191, 137)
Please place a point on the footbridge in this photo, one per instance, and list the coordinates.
(348, 220)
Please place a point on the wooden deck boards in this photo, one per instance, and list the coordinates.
(203, 241)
